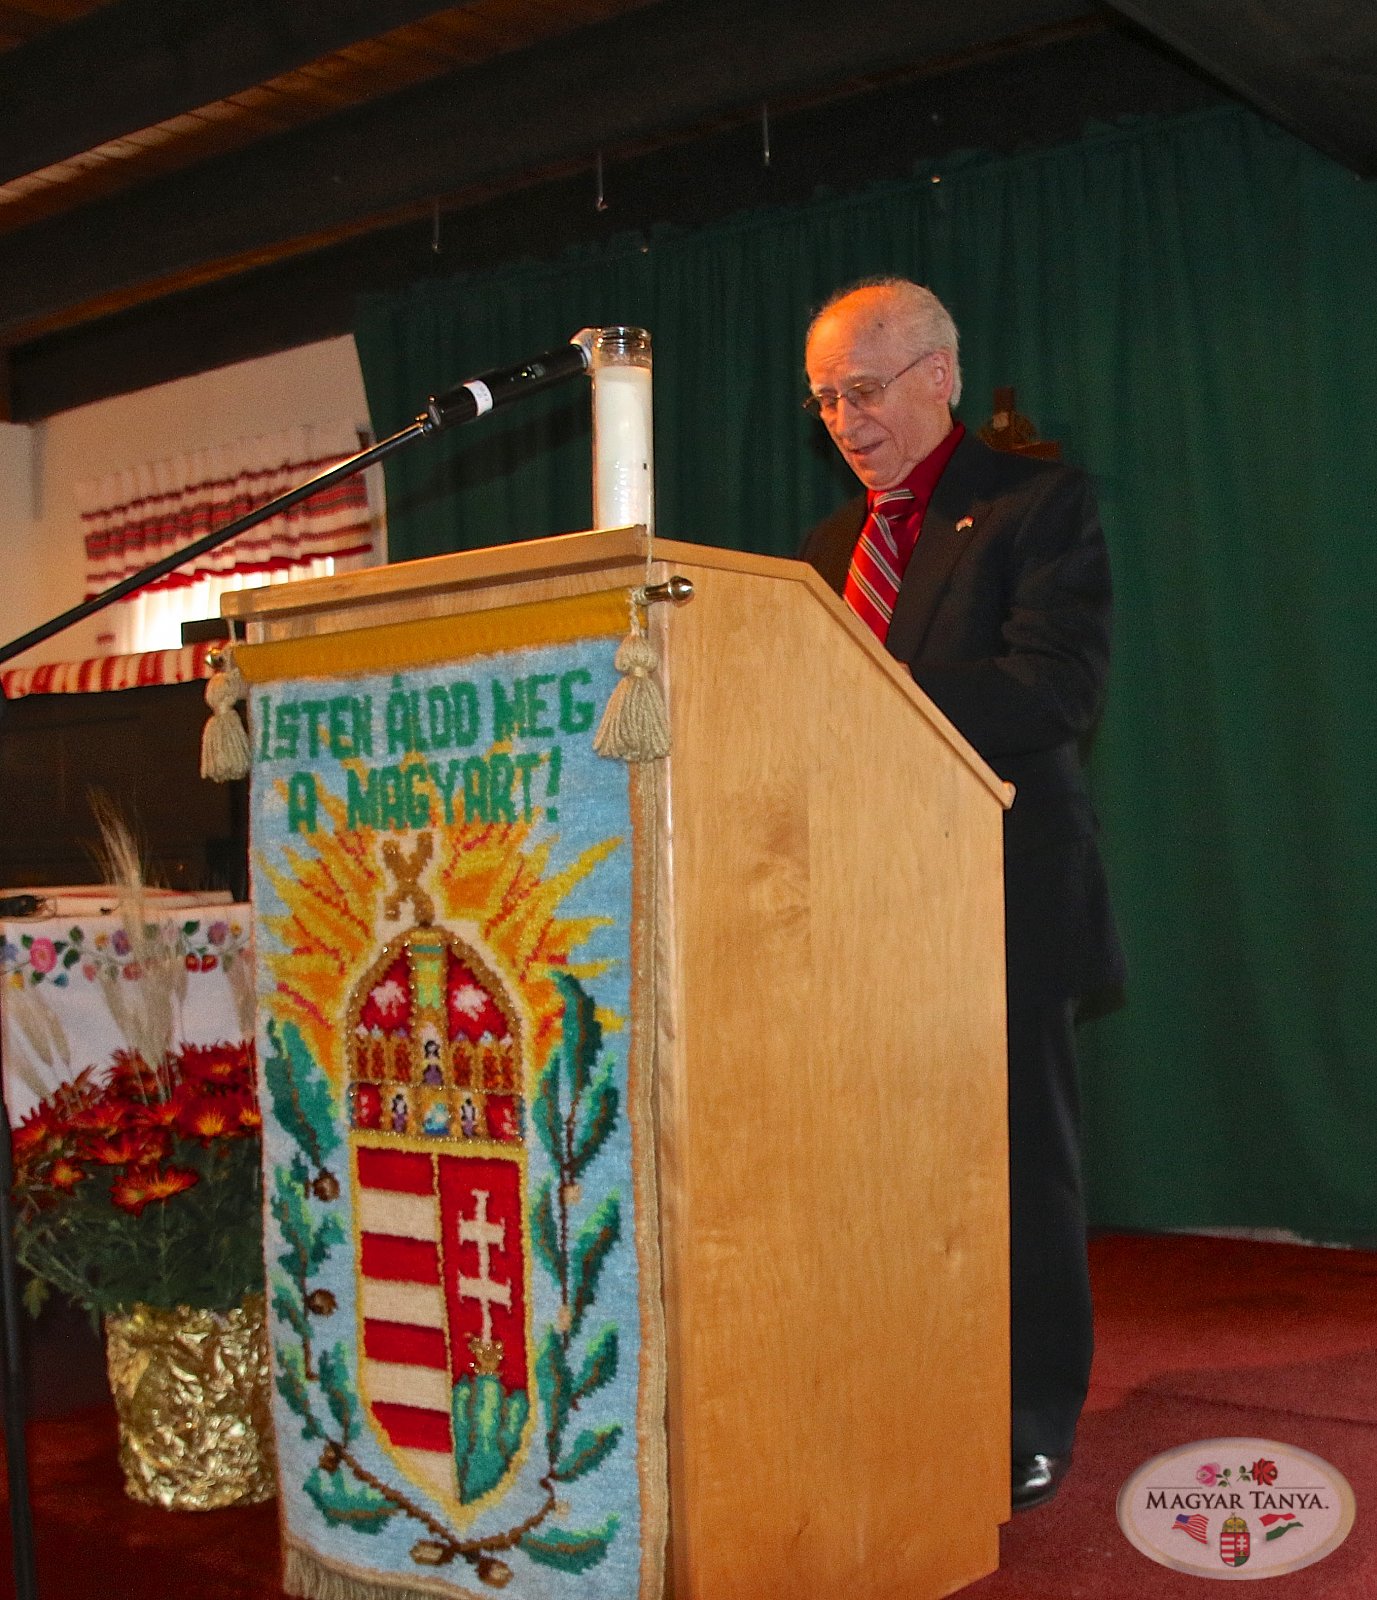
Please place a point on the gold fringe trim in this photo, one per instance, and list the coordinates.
(647, 794)
(307, 1575)
(435, 641)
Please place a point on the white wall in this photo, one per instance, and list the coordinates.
(40, 539)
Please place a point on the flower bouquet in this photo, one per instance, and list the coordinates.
(138, 1190)
(144, 1187)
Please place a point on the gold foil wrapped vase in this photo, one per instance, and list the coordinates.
(191, 1396)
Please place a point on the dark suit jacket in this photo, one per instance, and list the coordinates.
(1003, 618)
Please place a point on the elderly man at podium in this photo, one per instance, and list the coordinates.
(986, 574)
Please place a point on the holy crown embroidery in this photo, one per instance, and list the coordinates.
(433, 1048)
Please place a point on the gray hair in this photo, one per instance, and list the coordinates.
(924, 323)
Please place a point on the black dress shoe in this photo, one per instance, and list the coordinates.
(1036, 1479)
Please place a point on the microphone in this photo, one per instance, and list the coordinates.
(467, 401)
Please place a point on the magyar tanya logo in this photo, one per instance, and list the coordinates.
(1236, 1508)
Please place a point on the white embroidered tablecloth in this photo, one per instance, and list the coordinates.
(68, 987)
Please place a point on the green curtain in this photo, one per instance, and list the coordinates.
(1185, 306)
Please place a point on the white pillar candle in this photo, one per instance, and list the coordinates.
(623, 452)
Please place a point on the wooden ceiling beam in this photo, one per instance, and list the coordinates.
(132, 63)
(648, 74)
(999, 101)
(1305, 64)
(20, 25)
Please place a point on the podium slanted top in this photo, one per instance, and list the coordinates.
(502, 575)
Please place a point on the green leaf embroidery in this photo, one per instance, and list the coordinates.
(339, 1391)
(488, 1425)
(599, 1365)
(590, 1449)
(309, 1236)
(556, 1385)
(571, 1552)
(544, 1233)
(582, 1032)
(598, 1118)
(545, 1109)
(294, 1387)
(287, 1307)
(589, 1256)
(300, 1095)
(345, 1503)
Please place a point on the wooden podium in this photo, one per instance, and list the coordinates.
(830, 1062)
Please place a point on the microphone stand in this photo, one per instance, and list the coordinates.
(464, 403)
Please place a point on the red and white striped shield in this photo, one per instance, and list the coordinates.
(1235, 1543)
(443, 1257)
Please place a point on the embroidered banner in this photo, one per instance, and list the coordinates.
(461, 1240)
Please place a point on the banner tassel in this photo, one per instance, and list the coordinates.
(225, 741)
(634, 726)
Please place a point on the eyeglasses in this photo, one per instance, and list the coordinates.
(864, 394)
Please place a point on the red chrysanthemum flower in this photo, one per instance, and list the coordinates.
(146, 1185)
(35, 1135)
(128, 1148)
(224, 1063)
(205, 1121)
(101, 1118)
(131, 1080)
(65, 1175)
(156, 1114)
(130, 1191)
(163, 1184)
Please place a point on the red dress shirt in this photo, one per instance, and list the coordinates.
(905, 517)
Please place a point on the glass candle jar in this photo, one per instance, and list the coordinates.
(623, 448)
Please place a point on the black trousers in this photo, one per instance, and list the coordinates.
(1051, 1337)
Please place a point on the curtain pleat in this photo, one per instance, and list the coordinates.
(136, 516)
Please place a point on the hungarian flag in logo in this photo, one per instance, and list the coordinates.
(1279, 1522)
(1234, 1542)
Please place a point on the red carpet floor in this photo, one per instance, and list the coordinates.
(1197, 1339)
(1202, 1339)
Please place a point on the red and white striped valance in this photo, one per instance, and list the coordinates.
(110, 672)
(136, 516)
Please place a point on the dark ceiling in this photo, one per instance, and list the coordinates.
(189, 182)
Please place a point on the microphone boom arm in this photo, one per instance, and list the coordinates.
(464, 403)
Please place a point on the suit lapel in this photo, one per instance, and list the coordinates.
(829, 547)
(947, 529)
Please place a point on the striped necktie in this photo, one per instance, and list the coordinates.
(872, 584)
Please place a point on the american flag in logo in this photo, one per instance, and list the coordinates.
(1197, 1526)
